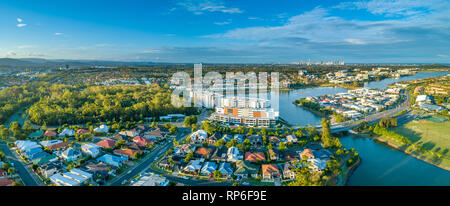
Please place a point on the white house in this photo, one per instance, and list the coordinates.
(70, 154)
(199, 136)
(67, 132)
(233, 154)
(90, 149)
(102, 129)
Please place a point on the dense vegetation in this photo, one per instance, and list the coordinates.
(75, 105)
(313, 106)
(18, 97)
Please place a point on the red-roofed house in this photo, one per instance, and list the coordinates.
(270, 171)
(82, 131)
(255, 157)
(107, 143)
(58, 146)
(141, 141)
(126, 152)
(6, 182)
(50, 133)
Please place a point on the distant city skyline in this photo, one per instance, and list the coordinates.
(228, 31)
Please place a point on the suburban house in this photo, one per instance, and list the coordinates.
(75, 177)
(70, 154)
(155, 135)
(194, 166)
(213, 138)
(58, 146)
(49, 169)
(183, 149)
(317, 164)
(82, 131)
(225, 169)
(129, 133)
(209, 168)
(292, 139)
(255, 157)
(49, 142)
(255, 140)
(273, 155)
(6, 182)
(142, 141)
(67, 132)
(245, 169)
(50, 133)
(199, 136)
(90, 149)
(270, 171)
(107, 143)
(203, 152)
(274, 140)
(239, 138)
(220, 154)
(227, 137)
(307, 153)
(291, 156)
(233, 154)
(288, 171)
(130, 153)
(102, 129)
(113, 160)
(99, 168)
(44, 160)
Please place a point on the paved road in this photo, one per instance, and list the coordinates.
(28, 177)
(149, 159)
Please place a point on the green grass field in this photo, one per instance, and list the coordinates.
(431, 135)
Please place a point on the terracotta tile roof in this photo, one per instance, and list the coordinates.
(58, 146)
(6, 182)
(107, 143)
(141, 141)
(203, 151)
(50, 133)
(127, 152)
(308, 153)
(255, 157)
(270, 169)
(82, 131)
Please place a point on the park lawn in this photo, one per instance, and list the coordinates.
(430, 135)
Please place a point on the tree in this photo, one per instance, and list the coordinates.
(175, 142)
(282, 146)
(217, 174)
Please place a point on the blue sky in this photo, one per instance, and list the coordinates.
(228, 31)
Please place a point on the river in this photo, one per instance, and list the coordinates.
(381, 165)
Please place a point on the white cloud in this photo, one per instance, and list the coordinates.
(198, 7)
(223, 23)
(395, 7)
(25, 46)
(19, 20)
(318, 26)
(10, 54)
(58, 34)
(21, 25)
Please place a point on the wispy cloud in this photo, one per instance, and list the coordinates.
(223, 23)
(58, 34)
(19, 23)
(199, 7)
(25, 46)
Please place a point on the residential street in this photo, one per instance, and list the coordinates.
(28, 177)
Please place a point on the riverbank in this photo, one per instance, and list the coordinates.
(350, 171)
(403, 149)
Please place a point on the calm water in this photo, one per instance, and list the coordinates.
(381, 165)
